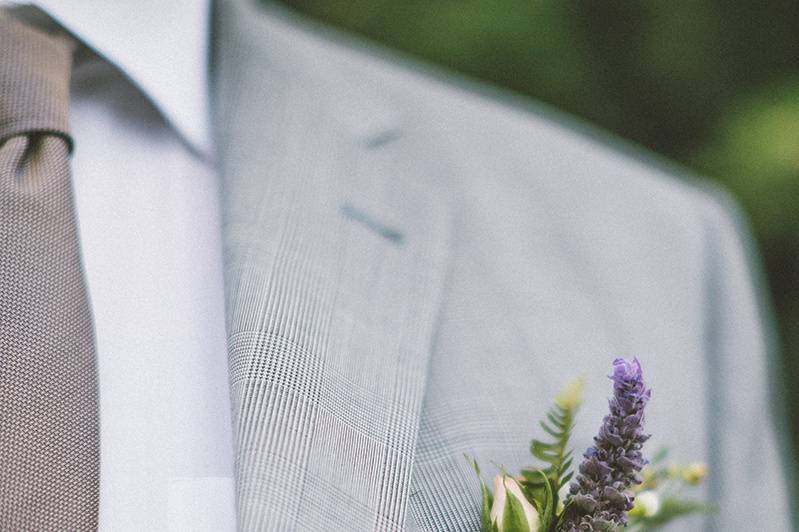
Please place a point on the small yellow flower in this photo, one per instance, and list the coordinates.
(571, 396)
(695, 473)
(674, 471)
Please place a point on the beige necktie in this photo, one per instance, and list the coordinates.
(49, 437)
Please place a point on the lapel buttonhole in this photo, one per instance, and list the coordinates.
(357, 215)
(382, 137)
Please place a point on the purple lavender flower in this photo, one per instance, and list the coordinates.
(600, 496)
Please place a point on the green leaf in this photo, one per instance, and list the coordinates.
(562, 514)
(659, 456)
(547, 508)
(487, 500)
(671, 508)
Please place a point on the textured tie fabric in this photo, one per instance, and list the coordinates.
(49, 436)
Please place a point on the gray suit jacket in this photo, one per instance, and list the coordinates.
(413, 270)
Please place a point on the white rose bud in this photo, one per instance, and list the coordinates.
(506, 487)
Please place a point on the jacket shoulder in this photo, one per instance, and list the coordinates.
(489, 131)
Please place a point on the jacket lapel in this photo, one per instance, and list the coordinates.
(335, 246)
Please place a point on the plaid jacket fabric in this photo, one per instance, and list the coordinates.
(413, 269)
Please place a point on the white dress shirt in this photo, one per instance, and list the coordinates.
(149, 219)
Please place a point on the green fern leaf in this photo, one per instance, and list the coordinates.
(544, 483)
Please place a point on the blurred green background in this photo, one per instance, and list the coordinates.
(711, 84)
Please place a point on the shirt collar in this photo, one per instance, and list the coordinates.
(162, 46)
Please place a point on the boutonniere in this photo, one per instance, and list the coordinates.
(612, 488)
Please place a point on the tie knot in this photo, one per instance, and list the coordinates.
(35, 70)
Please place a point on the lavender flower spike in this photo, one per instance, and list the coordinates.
(600, 496)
